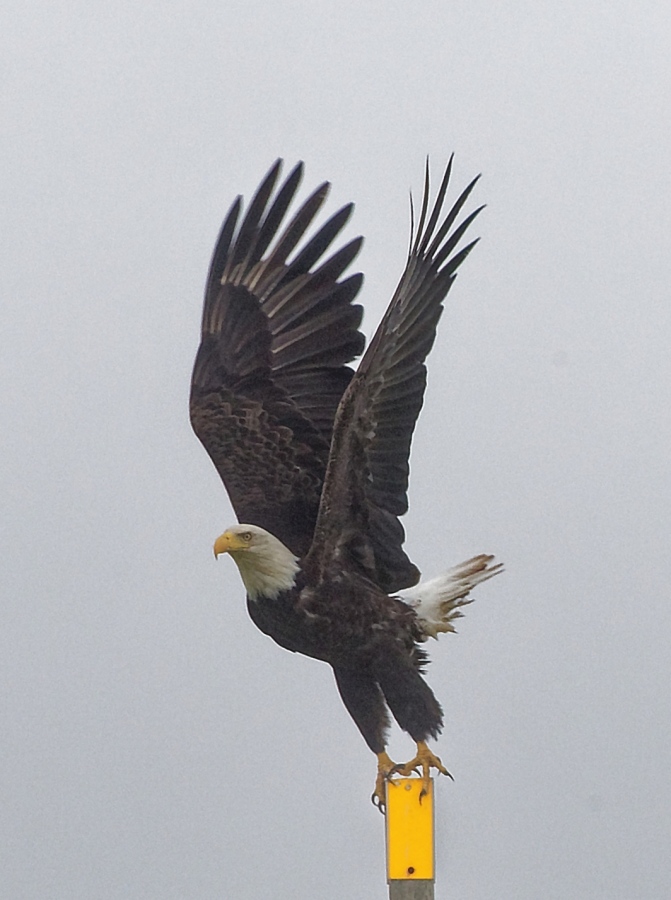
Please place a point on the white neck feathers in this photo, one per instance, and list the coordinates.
(267, 567)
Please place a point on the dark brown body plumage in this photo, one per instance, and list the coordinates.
(373, 647)
(316, 454)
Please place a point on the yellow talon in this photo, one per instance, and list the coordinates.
(424, 760)
(385, 767)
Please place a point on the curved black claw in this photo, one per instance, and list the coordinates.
(378, 802)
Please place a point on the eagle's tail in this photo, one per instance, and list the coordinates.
(438, 602)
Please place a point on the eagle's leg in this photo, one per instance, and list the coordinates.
(424, 760)
(363, 698)
(385, 767)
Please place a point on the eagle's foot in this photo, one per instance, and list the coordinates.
(422, 763)
(385, 768)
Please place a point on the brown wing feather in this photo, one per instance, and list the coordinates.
(366, 485)
(271, 366)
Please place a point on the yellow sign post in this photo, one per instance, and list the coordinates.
(410, 842)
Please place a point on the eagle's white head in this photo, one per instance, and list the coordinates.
(266, 566)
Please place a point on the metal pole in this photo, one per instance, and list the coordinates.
(410, 841)
(411, 890)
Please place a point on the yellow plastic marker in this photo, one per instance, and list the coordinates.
(409, 830)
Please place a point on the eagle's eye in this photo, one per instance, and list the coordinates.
(246, 536)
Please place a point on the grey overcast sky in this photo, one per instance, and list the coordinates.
(154, 744)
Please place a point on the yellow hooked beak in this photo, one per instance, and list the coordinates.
(228, 542)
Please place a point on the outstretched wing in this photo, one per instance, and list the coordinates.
(271, 367)
(366, 484)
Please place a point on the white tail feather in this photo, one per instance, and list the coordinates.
(438, 601)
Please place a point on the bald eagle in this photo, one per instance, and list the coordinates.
(314, 455)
